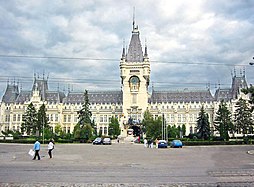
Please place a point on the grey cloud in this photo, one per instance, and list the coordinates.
(206, 32)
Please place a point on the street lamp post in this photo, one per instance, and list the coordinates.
(43, 130)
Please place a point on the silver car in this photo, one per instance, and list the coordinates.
(106, 141)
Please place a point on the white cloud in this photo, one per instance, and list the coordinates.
(181, 32)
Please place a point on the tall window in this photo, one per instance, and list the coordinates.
(105, 130)
(101, 118)
(134, 98)
(14, 117)
(19, 117)
(69, 118)
(105, 118)
(56, 117)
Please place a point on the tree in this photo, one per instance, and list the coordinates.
(84, 114)
(86, 132)
(223, 123)
(147, 120)
(29, 120)
(114, 129)
(151, 127)
(84, 128)
(183, 129)
(43, 121)
(203, 126)
(250, 91)
(243, 117)
(173, 131)
(59, 130)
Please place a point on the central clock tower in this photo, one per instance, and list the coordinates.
(135, 77)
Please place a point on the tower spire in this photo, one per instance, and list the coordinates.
(146, 54)
(123, 54)
(133, 23)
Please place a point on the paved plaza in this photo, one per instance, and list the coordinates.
(126, 164)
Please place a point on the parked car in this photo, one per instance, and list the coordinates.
(106, 141)
(162, 144)
(176, 143)
(97, 141)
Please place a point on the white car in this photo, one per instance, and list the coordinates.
(106, 141)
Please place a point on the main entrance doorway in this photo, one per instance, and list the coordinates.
(136, 130)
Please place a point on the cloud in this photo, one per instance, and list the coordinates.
(179, 35)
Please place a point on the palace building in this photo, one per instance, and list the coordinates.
(178, 107)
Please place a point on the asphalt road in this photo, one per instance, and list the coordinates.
(126, 164)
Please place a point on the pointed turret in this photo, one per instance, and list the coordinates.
(146, 54)
(135, 53)
(123, 54)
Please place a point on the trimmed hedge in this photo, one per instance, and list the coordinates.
(196, 143)
(30, 141)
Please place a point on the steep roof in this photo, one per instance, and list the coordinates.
(42, 86)
(11, 94)
(95, 97)
(135, 53)
(238, 82)
(181, 96)
(54, 96)
(23, 96)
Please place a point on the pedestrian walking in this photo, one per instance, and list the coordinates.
(37, 147)
(50, 148)
(145, 142)
(157, 142)
(151, 144)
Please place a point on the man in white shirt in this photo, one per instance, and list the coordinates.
(50, 148)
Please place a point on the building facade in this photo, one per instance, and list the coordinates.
(178, 107)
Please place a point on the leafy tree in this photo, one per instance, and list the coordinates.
(29, 120)
(114, 129)
(222, 122)
(155, 129)
(48, 133)
(147, 120)
(76, 132)
(151, 127)
(173, 131)
(43, 121)
(250, 91)
(203, 125)
(86, 132)
(179, 129)
(58, 130)
(183, 129)
(243, 117)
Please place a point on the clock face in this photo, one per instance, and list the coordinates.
(134, 80)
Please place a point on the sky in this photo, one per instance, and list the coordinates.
(77, 45)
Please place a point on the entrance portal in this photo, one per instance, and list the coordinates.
(136, 130)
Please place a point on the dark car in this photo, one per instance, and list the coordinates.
(162, 144)
(97, 141)
(106, 141)
(176, 143)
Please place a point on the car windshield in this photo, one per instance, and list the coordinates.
(162, 141)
